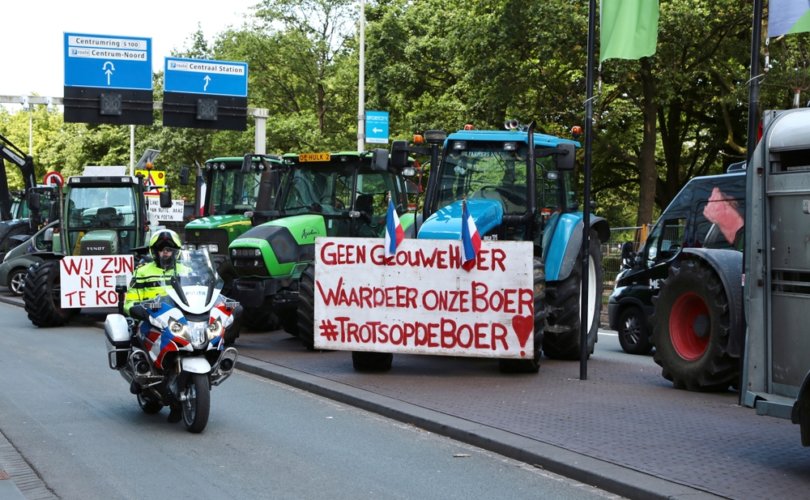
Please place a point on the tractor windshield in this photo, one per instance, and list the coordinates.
(340, 192)
(232, 191)
(331, 191)
(102, 207)
(490, 170)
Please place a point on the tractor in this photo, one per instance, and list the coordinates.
(229, 190)
(322, 194)
(101, 215)
(518, 186)
(683, 224)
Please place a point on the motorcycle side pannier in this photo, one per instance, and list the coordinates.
(116, 330)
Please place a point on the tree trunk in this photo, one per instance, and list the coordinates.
(648, 174)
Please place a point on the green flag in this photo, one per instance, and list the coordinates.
(628, 29)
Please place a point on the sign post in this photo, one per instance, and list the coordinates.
(53, 178)
(377, 127)
(205, 94)
(108, 79)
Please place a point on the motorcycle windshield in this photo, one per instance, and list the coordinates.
(196, 284)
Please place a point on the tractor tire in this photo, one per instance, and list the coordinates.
(372, 361)
(288, 319)
(42, 298)
(532, 365)
(562, 336)
(692, 329)
(306, 308)
(634, 334)
(260, 319)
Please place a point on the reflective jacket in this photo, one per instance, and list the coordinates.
(148, 281)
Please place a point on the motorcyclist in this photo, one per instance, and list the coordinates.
(150, 280)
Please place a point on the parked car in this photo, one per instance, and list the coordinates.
(17, 260)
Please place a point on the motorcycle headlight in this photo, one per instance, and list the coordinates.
(214, 330)
(178, 329)
(197, 332)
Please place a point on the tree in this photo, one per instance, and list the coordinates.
(692, 81)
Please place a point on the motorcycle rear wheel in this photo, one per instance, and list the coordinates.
(196, 403)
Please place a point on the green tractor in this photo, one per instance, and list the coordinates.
(101, 215)
(229, 189)
(322, 194)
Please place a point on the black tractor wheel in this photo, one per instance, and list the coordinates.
(306, 307)
(562, 336)
(634, 334)
(288, 318)
(42, 296)
(260, 319)
(16, 281)
(372, 361)
(692, 329)
(532, 365)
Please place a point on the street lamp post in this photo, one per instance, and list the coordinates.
(361, 87)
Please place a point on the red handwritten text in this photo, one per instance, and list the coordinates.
(444, 334)
(341, 254)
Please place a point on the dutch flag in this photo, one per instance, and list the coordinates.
(470, 239)
(394, 234)
(200, 191)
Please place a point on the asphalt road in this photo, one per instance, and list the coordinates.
(624, 429)
(75, 422)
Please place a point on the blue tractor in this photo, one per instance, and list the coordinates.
(518, 185)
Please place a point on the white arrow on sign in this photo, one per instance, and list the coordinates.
(376, 130)
(108, 69)
(207, 81)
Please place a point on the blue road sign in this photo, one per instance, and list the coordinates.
(377, 127)
(198, 76)
(108, 61)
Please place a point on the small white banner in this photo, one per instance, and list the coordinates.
(421, 301)
(158, 213)
(89, 281)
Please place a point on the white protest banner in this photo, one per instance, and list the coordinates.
(89, 281)
(158, 213)
(421, 301)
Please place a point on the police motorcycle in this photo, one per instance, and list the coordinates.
(172, 352)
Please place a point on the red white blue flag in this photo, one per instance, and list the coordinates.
(394, 234)
(200, 192)
(470, 239)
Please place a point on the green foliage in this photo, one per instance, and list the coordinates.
(441, 63)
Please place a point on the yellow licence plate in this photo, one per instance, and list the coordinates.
(303, 157)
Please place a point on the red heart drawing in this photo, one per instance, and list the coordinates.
(523, 327)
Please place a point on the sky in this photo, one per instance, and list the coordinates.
(32, 34)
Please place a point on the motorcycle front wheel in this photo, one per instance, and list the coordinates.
(196, 402)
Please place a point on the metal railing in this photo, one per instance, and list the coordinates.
(612, 258)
